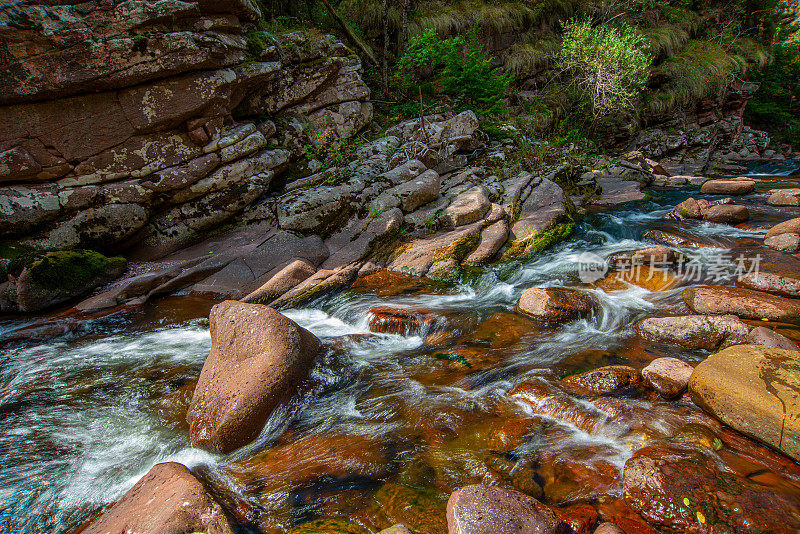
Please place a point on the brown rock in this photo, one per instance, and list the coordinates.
(608, 528)
(668, 376)
(258, 357)
(284, 280)
(745, 303)
(466, 208)
(403, 321)
(727, 213)
(580, 518)
(556, 305)
(784, 197)
(728, 187)
(168, 499)
(659, 256)
(769, 338)
(755, 390)
(784, 242)
(493, 237)
(609, 380)
(694, 331)
(480, 509)
(780, 282)
(792, 226)
(689, 209)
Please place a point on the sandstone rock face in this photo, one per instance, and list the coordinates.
(745, 303)
(258, 357)
(555, 305)
(480, 509)
(694, 331)
(755, 390)
(668, 376)
(608, 380)
(115, 120)
(728, 187)
(167, 499)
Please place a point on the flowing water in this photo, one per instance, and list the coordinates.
(87, 413)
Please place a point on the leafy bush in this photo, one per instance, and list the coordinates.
(457, 67)
(609, 64)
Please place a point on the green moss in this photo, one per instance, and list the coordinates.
(71, 270)
(533, 245)
(458, 249)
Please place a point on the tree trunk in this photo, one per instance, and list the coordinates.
(385, 52)
(350, 35)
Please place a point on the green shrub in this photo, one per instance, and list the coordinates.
(456, 67)
(609, 64)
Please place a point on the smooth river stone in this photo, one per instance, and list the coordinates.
(746, 303)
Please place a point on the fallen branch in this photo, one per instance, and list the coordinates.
(350, 35)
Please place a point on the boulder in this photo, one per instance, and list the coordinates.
(668, 376)
(746, 303)
(784, 242)
(689, 209)
(167, 499)
(608, 380)
(418, 191)
(728, 187)
(479, 509)
(608, 528)
(493, 237)
(58, 277)
(784, 197)
(707, 332)
(755, 390)
(258, 358)
(727, 213)
(556, 305)
(780, 281)
(792, 226)
(658, 256)
(468, 207)
(763, 336)
(680, 491)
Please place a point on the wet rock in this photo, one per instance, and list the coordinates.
(728, 187)
(784, 197)
(660, 256)
(694, 331)
(556, 305)
(323, 282)
(57, 277)
(578, 518)
(652, 277)
(675, 238)
(769, 338)
(609, 380)
(792, 226)
(258, 357)
(784, 242)
(403, 321)
(329, 526)
(493, 238)
(167, 499)
(466, 208)
(690, 209)
(745, 303)
(287, 278)
(542, 399)
(609, 528)
(541, 206)
(772, 280)
(727, 213)
(316, 457)
(420, 510)
(668, 376)
(396, 529)
(422, 255)
(501, 330)
(753, 389)
(386, 283)
(480, 509)
(681, 491)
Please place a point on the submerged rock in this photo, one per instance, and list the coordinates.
(167, 499)
(609, 380)
(728, 187)
(694, 331)
(258, 357)
(329, 526)
(556, 305)
(745, 303)
(668, 376)
(755, 390)
(682, 492)
(479, 509)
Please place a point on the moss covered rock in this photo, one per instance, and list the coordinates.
(58, 277)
